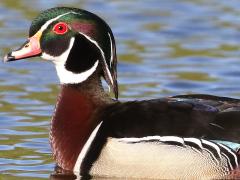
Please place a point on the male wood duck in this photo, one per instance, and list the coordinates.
(186, 136)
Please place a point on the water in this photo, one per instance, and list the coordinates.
(164, 48)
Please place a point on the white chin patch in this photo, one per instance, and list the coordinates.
(65, 76)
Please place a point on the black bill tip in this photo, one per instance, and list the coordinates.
(8, 57)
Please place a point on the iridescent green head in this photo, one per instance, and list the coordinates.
(77, 41)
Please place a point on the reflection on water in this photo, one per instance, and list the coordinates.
(164, 48)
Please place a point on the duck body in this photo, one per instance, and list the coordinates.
(176, 137)
(185, 136)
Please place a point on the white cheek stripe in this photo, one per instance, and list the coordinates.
(65, 76)
(57, 60)
(102, 53)
(85, 148)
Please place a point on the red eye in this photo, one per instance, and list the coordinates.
(60, 28)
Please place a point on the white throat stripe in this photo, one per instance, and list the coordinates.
(65, 76)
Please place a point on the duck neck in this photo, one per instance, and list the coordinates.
(74, 119)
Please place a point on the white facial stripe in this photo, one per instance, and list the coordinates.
(111, 60)
(65, 76)
(54, 19)
(102, 53)
(63, 57)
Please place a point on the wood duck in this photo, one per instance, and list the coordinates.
(185, 136)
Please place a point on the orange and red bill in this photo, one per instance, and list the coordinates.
(29, 49)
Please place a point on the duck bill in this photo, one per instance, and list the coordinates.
(30, 48)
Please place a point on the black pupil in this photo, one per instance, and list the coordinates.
(60, 28)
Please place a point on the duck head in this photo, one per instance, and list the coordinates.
(76, 41)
